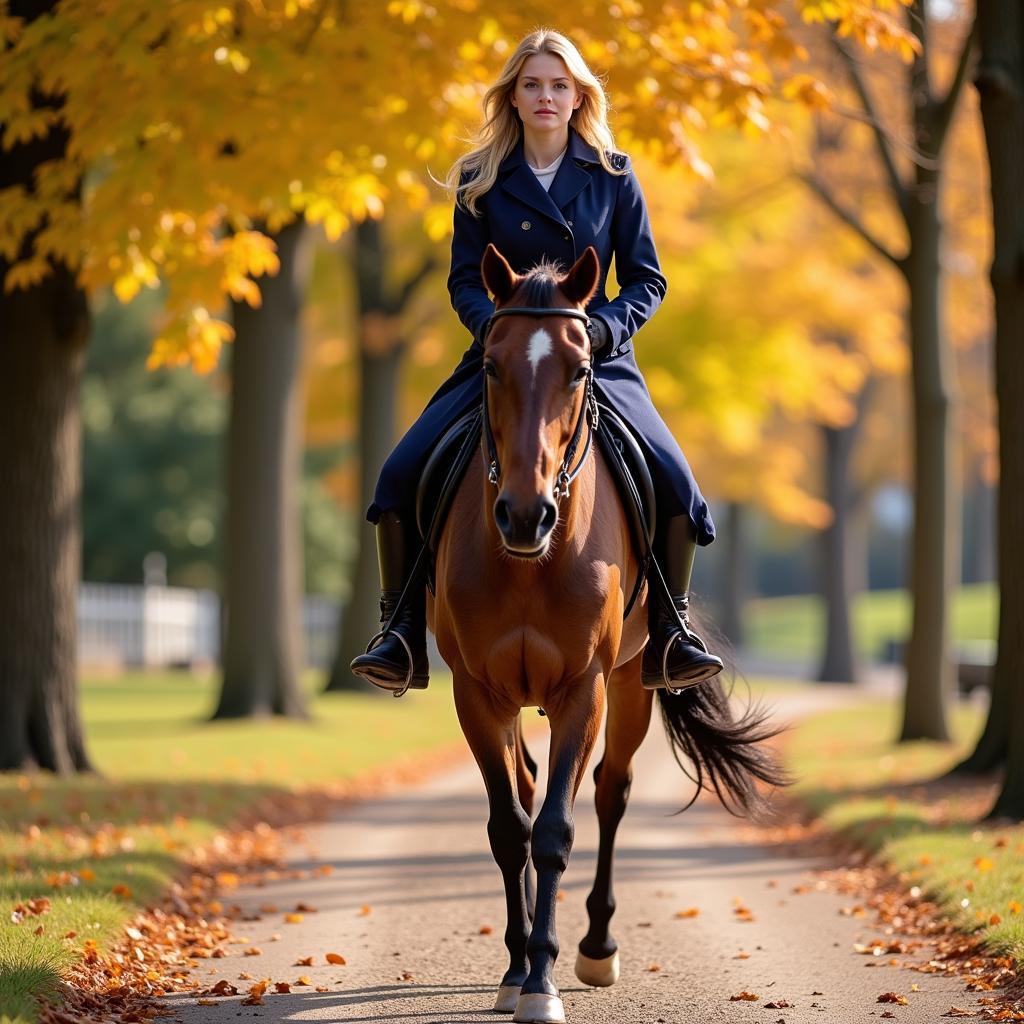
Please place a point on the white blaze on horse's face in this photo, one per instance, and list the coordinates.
(539, 347)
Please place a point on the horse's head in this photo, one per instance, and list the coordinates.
(537, 389)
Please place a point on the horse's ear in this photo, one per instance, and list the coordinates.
(581, 281)
(499, 277)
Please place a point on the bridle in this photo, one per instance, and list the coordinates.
(588, 410)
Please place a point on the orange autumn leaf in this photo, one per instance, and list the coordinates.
(365, 910)
(87, 875)
(304, 961)
(268, 908)
(305, 908)
(122, 890)
(293, 919)
(1014, 907)
(995, 919)
(252, 951)
(255, 996)
(321, 988)
(653, 968)
(688, 912)
(282, 986)
(486, 929)
(744, 997)
(335, 958)
(206, 1002)
(303, 979)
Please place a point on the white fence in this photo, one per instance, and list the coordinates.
(121, 624)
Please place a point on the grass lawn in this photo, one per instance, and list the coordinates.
(99, 849)
(793, 627)
(858, 782)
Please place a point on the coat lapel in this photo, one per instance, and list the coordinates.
(523, 184)
(570, 179)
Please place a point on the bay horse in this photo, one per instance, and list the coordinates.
(530, 590)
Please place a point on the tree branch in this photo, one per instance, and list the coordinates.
(946, 107)
(881, 139)
(824, 193)
(412, 282)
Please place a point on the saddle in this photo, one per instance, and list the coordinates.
(447, 465)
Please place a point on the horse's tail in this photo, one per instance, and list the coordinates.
(723, 751)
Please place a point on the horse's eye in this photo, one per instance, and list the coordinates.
(580, 375)
(491, 370)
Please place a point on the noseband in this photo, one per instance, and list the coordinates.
(588, 410)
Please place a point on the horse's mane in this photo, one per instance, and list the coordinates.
(539, 284)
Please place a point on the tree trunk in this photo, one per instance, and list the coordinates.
(263, 644)
(838, 549)
(736, 573)
(935, 561)
(45, 329)
(381, 351)
(1000, 82)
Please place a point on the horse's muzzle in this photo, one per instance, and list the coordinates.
(525, 530)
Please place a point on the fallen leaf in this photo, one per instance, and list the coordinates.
(252, 951)
(486, 929)
(744, 997)
(303, 979)
(244, 976)
(889, 1013)
(365, 910)
(741, 955)
(206, 1002)
(293, 919)
(282, 987)
(688, 912)
(305, 908)
(654, 967)
(222, 988)
(335, 958)
(956, 1011)
(122, 890)
(305, 961)
(892, 997)
(255, 996)
(269, 908)
(321, 988)
(779, 1004)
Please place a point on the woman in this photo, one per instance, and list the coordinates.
(543, 181)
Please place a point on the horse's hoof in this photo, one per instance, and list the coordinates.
(539, 1008)
(508, 996)
(602, 973)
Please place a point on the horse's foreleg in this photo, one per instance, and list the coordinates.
(575, 720)
(629, 715)
(526, 781)
(491, 734)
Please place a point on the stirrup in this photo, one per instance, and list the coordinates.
(673, 685)
(400, 689)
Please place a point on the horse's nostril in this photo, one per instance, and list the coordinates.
(548, 518)
(503, 516)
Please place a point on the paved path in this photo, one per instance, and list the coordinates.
(423, 954)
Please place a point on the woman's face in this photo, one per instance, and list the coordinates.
(545, 93)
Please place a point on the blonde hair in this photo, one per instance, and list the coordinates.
(500, 132)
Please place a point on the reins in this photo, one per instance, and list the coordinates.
(588, 410)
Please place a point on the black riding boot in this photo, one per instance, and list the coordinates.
(397, 658)
(674, 657)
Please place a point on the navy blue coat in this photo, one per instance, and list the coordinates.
(585, 206)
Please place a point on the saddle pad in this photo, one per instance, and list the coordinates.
(625, 460)
(442, 475)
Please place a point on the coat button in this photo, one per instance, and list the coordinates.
(569, 222)
(525, 225)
